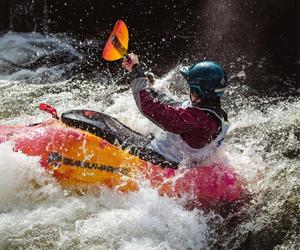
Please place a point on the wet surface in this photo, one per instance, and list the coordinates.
(258, 45)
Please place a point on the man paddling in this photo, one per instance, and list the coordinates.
(193, 129)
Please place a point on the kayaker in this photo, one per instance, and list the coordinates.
(193, 129)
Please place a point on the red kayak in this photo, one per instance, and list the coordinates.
(85, 147)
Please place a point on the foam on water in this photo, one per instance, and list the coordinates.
(37, 213)
(22, 179)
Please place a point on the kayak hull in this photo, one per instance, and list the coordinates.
(77, 157)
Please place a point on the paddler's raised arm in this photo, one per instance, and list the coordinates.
(136, 72)
(161, 110)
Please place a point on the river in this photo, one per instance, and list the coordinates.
(37, 213)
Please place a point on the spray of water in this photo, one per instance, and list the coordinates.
(262, 144)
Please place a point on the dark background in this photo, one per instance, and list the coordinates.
(168, 32)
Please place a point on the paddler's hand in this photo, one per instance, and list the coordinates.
(129, 61)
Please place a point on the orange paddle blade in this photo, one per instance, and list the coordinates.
(117, 43)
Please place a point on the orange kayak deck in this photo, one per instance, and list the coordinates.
(77, 157)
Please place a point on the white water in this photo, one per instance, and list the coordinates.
(36, 213)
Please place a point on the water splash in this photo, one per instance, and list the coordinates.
(262, 144)
(36, 212)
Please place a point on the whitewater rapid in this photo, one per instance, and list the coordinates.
(36, 213)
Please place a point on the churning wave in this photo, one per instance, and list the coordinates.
(262, 144)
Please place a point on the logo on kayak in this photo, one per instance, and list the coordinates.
(56, 159)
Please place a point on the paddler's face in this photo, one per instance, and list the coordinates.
(194, 98)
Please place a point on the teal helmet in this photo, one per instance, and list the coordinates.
(206, 79)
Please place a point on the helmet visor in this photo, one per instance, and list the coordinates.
(185, 72)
